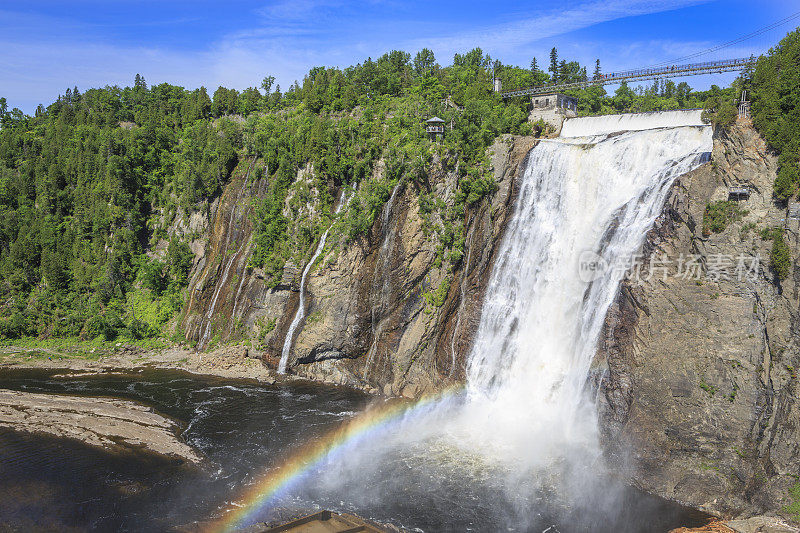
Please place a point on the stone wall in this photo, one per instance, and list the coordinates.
(553, 116)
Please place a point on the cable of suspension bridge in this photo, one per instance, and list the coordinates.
(760, 31)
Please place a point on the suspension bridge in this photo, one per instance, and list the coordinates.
(674, 69)
(661, 72)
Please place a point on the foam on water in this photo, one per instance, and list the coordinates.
(525, 428)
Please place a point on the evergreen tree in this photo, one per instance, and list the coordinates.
(203, 103)
(561, 71)
(597, 72)
(275, 97)
(85, 202)
(775, 103)
(554, 64)
(139, 83)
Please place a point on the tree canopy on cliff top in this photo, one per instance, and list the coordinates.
(775, 104)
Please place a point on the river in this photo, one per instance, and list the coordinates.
(242, 428)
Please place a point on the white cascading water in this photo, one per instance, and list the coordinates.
(301, 307)
(381, 274)
(584, 192)
(232, 223)
(601, 125)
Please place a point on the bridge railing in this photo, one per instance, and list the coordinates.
(707, 67)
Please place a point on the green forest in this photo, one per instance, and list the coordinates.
(92, 183)
(775, 93)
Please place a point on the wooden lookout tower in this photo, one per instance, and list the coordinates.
(435, 128)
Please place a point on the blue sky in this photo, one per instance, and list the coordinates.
(51, 45)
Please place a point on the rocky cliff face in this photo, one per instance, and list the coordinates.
(225, 296)
(697, 372)
(371, 320)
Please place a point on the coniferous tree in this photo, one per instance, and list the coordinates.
(139, 83)
(203, 103)
(84, 201)
(275, 97)
(774, 91)
(597, 72)
(562, 73)
(554, 64)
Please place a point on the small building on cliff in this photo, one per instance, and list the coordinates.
(435, 128)
(553, 108)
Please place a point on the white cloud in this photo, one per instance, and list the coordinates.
(285, 10)
(509, 37)
(290, 36)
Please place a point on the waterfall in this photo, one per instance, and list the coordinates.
(381, 273)
(588, 192)
(301, 307)
(589, 126)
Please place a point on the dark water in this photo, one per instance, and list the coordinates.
(243, 428)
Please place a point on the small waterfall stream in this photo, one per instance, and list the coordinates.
(381, 273)
(301, 306)
(209, 317)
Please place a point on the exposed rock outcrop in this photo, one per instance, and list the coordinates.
(224, 293)
(698, 371)
(104, 422)
(368, 322)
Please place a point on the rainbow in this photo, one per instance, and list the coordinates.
(277, 481)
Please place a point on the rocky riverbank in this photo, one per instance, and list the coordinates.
(110, 423)
(231, 362)
(756, 524)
